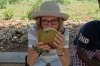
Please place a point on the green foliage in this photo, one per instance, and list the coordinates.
(8, 14)
(14, 1)
(3, 4)
(76, 9)
(24, 16)
(63, 2)
(88, 0)
(34, 7)
(97, 10)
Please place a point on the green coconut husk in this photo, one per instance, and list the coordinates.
(47, 36)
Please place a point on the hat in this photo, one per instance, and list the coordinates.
(49, 8)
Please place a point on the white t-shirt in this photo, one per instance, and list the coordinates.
(52, 52)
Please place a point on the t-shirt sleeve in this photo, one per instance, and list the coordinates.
(31, 36)
(66, 35)
(84, 35)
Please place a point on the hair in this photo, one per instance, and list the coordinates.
(38, 26)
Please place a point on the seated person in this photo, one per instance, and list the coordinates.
(87, 44)
(49, 15)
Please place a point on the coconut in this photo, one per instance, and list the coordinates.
(47, 36)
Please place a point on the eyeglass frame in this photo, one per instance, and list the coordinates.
(57, 20)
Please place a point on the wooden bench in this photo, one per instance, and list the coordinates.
(16, 57)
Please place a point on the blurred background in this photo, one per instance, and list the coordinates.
(15, 20)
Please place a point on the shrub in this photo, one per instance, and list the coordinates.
(8, 14)
(14, 1)
(34, 7)
(24, 16)
(3, 4)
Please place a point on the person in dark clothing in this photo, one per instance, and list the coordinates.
(87, 44)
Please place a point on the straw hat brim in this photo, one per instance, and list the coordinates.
(34, 15)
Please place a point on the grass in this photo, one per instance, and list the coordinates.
(77, 10)
(19, 8)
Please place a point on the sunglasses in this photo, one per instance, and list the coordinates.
(46, 22)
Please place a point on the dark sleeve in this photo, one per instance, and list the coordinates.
(85, 35)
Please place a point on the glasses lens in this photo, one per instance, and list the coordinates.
(44, 22)
(54, 21)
